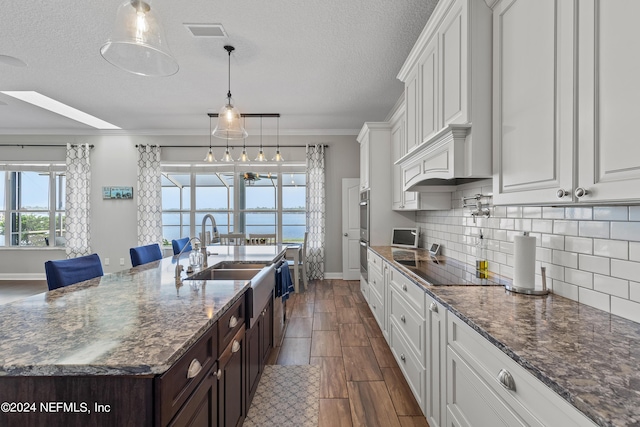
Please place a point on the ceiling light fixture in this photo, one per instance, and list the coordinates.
(229, 125)
(210, 157)
(137, 43)
(261, 157)
(39, 100)
(278, 157)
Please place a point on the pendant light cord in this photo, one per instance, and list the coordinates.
(229, 49)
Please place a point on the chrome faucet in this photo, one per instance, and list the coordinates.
(214, 230)
(180, 267)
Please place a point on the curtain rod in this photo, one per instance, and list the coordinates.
(249, 114)
(42, 145)
(231, 146)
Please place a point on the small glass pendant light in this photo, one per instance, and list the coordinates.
(137, 43)
(229, 125)
(210, 157)
(278, 157)
(227, 155)
(261, 157)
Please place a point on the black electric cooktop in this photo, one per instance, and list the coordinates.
(442, 270)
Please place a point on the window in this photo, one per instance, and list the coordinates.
(241, 198)
(32, 204)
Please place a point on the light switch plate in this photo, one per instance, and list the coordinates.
(121, 261)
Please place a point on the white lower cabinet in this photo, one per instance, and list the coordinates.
(457, 376)
(485, 387)
(408, 361)
(436, 352)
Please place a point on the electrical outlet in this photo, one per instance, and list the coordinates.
(106, 261)
(121, 261)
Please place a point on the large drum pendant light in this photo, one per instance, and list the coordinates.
(229, 123)
(137, 43)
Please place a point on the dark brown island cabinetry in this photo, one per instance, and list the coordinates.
(208, 386)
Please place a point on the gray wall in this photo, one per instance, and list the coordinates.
(114, 163)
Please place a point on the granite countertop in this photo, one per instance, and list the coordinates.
(133, 322)
(588, 356)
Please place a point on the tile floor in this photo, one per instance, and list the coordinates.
(330, 325)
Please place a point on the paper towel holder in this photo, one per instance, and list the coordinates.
(528, 291)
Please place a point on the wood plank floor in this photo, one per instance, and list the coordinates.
(331, 325)
(13, 290)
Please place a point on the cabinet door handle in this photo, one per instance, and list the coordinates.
(506, 379)
(194, 369)
(374, 306)
(404, 288)
(404, 359)
(433, 307)
(235, 346)
(346, 234)
(404, 319)
(581, 192)
(233, 322)
(562, 193)
(219, 374)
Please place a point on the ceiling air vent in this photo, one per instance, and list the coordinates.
(207, 30)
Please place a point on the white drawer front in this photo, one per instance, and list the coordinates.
(532, 400)
(409, 322)
(470, 402)
(414, 293)
(376, 280)
(364, 288)
(375, 261)
(377, 307)
(413, 371)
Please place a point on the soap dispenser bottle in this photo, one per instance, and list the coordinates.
(482, 265)
(195, 257)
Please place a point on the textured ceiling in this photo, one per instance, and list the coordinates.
(325, 66)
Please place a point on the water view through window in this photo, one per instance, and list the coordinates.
(260, 202)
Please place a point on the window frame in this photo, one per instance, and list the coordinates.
(54, 171)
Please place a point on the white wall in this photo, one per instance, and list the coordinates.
(592, 254)
(114, 163)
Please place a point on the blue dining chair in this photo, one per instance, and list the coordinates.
(179, 244)
(65, 272)
(145, 254)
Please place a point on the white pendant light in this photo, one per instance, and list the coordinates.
(278, 157)
(229, 125)
(261, 157)
(226, 157)
(210, 157)
(243, 156)
(137, 43)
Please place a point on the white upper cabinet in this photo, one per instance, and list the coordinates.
(533, 101)
(560, 109)
(447, 80)
(608, 94)
(409, 200)
(365, 162)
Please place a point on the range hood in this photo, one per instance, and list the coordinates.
(448, 159)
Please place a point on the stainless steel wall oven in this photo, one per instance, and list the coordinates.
(364, 232)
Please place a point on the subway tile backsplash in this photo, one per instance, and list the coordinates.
(592, 254)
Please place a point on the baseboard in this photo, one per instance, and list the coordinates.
(22, 276)
(333, 275)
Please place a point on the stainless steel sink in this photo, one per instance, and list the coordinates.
(230, 265)
(262, 277)
(226, 274)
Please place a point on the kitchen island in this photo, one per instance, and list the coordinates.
(587, 357)
(105, 341)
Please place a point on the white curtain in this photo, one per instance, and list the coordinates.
(78, 201)
(315, 211)
(149, 196)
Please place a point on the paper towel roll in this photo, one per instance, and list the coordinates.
(524, 264)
